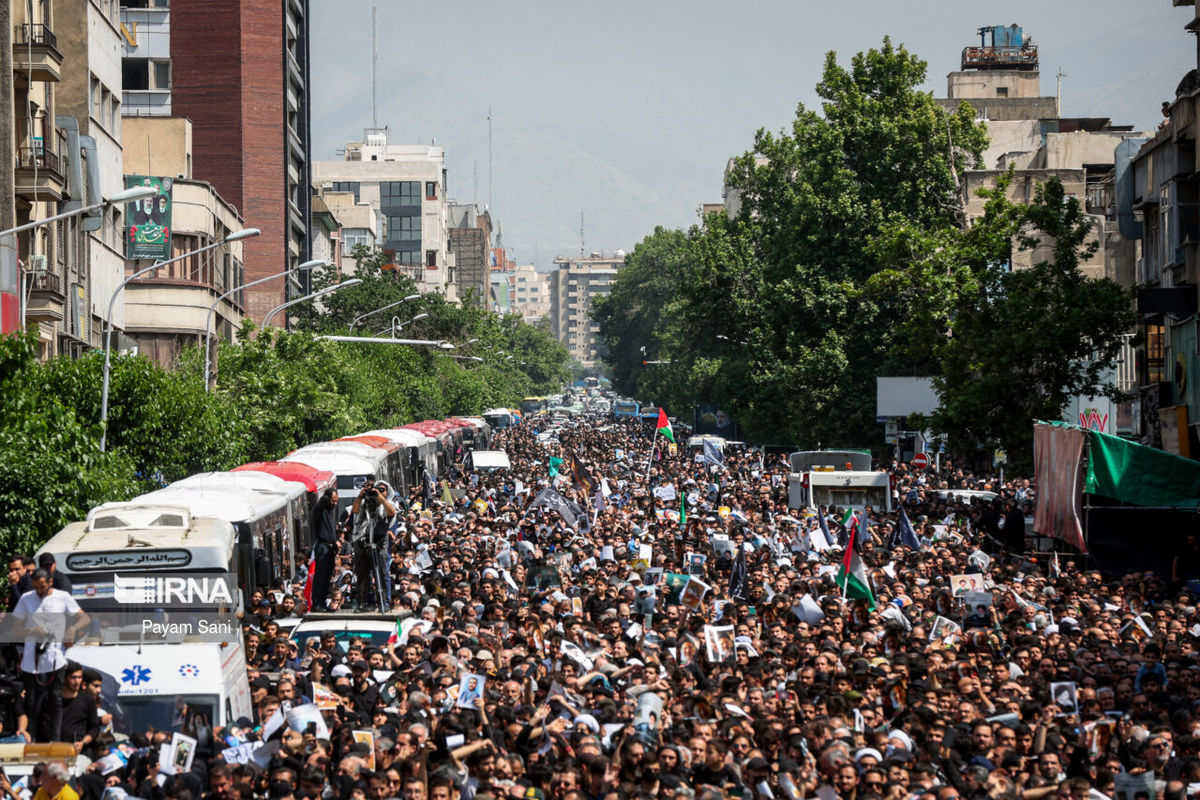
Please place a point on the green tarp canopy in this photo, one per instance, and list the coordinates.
(1141, 475)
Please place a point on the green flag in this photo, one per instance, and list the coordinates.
(682, 509)
(553, 466)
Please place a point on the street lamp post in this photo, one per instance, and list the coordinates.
(244, 233)
(398, 326)
(361, 317)
(131, 195)
(213, 308)
(373, 340)
(320, 293)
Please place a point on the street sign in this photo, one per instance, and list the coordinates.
(920, 461)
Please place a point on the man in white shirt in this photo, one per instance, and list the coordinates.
(50, 620)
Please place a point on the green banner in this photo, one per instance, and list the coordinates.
(1144, 476)
(148, 223)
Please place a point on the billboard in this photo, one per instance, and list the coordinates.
(902, 397)
(710, 419)
(148, 222)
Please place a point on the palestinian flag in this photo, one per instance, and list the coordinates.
(664, 426)
(852, 577)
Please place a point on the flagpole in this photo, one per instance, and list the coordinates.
(650, 460)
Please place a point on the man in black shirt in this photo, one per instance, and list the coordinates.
(324, 528)
(80, 721)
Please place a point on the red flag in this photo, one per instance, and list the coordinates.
(308, 582)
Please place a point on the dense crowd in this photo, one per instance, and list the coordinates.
(671, 629)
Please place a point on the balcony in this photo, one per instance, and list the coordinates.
(46, 299)
(35, 55)
(40, 175)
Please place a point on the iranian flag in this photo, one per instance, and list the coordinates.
(852, 577)
(664, 426)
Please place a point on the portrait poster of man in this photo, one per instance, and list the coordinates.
(693, 593)
(470, 689)
(718, 643)
(148, 222)
(1064, 695)
(961, 584)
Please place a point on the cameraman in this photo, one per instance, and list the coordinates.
(372, 513)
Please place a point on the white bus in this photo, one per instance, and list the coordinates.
(351, 470)
(266, 548)
(139, 537)
(837, 479)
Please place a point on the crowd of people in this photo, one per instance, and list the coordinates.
(618, 617)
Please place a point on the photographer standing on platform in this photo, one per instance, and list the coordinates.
(372, 513)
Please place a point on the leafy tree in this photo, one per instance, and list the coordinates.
(769, 317)
(1011, 346)
(163, 420)
(52, 471)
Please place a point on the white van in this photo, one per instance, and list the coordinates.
(489, 461)
(155, 682)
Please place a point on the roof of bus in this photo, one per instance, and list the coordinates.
(255, 481)
(232, 503)
(372, 454)
(378, 442)
(314, 480)
(413, 437)
(339, 463)
(80, 537)
(397, 436)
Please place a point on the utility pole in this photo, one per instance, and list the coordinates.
(489, 159)
(10, 270)
(374, 65)
(8, 144)
(1058, 95)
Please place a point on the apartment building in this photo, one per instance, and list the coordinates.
(405, 185)
(45, 277)
(168, 310)
(526, 291)
(239, 70)
(89, 110)
(573, 283)
(470, 251)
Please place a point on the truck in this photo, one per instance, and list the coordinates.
(837, 479)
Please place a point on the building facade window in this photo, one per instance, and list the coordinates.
(404, 229)
(409, 258)
(346, 186)
(399, 193)
(431, 259)
(431, 190)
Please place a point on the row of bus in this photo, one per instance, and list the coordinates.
(168, 656)
(254, 521)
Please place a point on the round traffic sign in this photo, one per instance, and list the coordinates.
(920, 461)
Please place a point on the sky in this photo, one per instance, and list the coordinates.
(627, 112)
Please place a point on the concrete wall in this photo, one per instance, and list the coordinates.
(1010, 136)
(1077, 148)
(158, 146)
(986, 84)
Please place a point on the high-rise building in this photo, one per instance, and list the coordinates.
(525, 290)
(45, 276)
(406, 187)
(573, 284)
(470, 248)
(89, 107)
(168, 309)
(238, 69)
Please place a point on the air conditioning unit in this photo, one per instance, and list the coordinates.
(37, 264)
